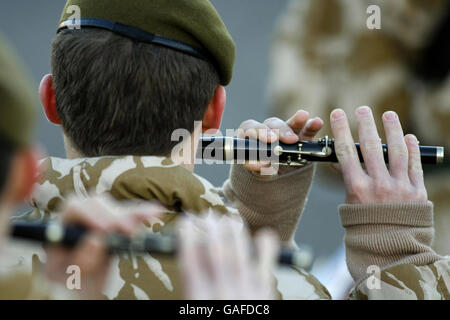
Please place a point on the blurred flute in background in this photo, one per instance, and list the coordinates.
(54, 233)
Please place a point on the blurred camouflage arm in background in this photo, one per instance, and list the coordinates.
(323, 56)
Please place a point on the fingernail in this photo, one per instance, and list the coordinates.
(412, 139)
(363, 110)
(288, 134)
(338, 114)
(318, 119)
(303, 112)
(272, 135)
(390, 115)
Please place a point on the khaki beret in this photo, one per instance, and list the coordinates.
(190, 26)
(17, 109)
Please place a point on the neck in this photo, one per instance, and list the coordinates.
(71, 152)
(185, 162)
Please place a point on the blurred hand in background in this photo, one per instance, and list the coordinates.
(101, 215)
(217, 260)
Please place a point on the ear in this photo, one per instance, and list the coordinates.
(48, 100)
(213, 115)
(23, 174)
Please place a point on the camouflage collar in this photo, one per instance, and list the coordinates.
(125, 178)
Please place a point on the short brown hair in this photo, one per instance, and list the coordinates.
(117, 96)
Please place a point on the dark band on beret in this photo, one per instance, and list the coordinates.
(138, 35)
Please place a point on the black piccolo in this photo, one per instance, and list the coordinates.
(55, 233)
(230, 149)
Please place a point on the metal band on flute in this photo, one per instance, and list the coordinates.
(69, 236)
(231, 149)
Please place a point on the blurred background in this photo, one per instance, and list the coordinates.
(314, 55)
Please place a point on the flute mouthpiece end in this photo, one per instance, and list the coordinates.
(440, 155)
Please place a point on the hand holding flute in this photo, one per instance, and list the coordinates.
(300, 127)
(297, 154)
(89, 254)
(376, 183)
(287, 143)
(402, 182)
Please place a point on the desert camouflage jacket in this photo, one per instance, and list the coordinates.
(144, 276)
(18, 283)
(408, 282)
(20, 286)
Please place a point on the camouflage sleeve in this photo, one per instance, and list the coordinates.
(270, 201)
(296, 284)
(15, 287)
(408, 281)
(21, 285)
(388, 252)
(276, 202)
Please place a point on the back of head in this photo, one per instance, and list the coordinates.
(16, 109)
(137, 70)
